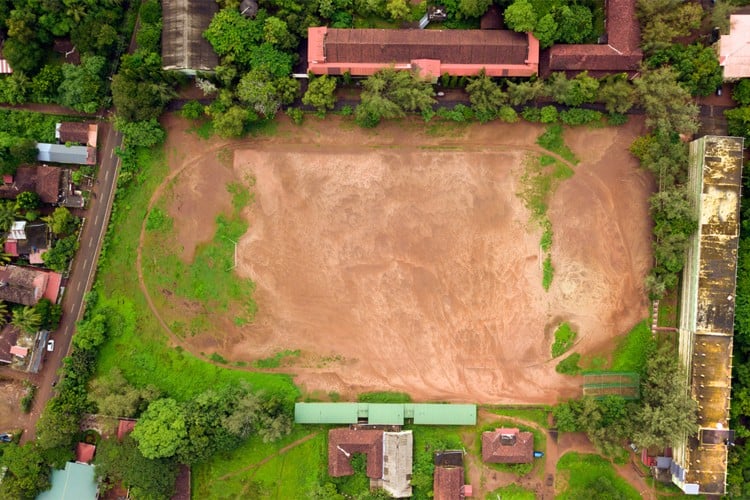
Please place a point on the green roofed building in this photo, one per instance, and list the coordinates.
(385, 413)
(76, 482)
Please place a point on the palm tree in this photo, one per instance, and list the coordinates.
(3, 313)
(27, 319)
(7, 215)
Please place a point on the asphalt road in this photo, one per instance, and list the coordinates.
(82, 272)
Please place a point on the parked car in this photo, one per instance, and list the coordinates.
(6, 438)
(538, 454)
(50, 345)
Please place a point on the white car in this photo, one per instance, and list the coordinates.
(50, 345)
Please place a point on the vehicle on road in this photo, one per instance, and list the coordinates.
(538, 454)
(50, 345)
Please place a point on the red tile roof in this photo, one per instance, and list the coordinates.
(621, 53)
(53, 286)
(48, 183)
(8, 338)
(85, 452)
(447, 483)
(456, 52)
(344, 442)
(507, 446)
(124, 427)
(19, 351)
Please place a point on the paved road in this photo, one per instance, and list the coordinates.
(82, 273)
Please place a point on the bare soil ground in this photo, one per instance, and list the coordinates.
(398, 260)
(11, 416)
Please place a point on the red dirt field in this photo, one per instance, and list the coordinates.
(396, 260)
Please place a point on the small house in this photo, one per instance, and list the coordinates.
(27, 285)
(507, 446)
(734, 48)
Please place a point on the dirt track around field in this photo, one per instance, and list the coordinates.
(394, 260)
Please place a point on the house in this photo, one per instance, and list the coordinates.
(41, 179)
(23, 180)
(27, 285)
(707, 308)
(61, 153)
(48, 183)
(388, 456)
(448, 479)
(618, 52)
(431, 53)
(77, 133)
(76, 482)
(734, 48)
(85, 453)
(183, 47)
(507, 446)
(343, 443)
(29, 239)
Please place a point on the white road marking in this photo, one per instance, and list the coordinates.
(111, 154)
(91, 242)
(106, 175)
(78, 287)
(96, 219)
(84, 264)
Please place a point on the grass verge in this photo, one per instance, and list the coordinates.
(633, 350)
(538, 415)
(569, 365)
(384, 397)
(552, 140)
(511, 492)
(590, 476)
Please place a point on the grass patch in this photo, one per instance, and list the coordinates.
(548, 272)
(546, 241)
(540, 444)
(538, 415)
(384, 397)
(137, 344)
(591, 476)
(668, 308)
(633, 350)
(511, 492)
(564, 338)
(427, 440)
(257, 470)
(552, 140)
(276, 360)
(569, 365)
(158, 220)
(203, 129)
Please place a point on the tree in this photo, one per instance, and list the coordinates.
(546, 30)
(144, 133)
(91, 332)
(49, 312)
(474, 8)
(27, 319)
(231, 123)
(24, 56)
(83, 87)
(320, 94)
(617, 94)
(27, 474)
(398, 9)
(697, 66)
(60, 420)
(390, 93)
(3, 313)
(8, 212)
(257, 89)
(276, 32)
(741, 92)
(45, 84)
(574, 23)
(61, 222)
(161, 430)
(123, 462)
(738, 120)
(520, 16)
(59, 256)
(139, 100)
(28, 200)
(664, 20)
(232, 34)
(667, 413)
(115, 396)
(486, 97)
(521, 93)
(668, 105)
(574, 92)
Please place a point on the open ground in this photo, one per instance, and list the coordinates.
(397, 259)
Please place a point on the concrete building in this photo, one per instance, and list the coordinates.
(706, 326)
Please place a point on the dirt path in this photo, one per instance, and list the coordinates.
(283, 450)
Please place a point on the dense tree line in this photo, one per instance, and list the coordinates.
(553, 21)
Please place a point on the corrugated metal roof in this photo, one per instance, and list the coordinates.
(385, 414)
(183, 45)
(76, 482)
(445, 414)
(60, 153)
(325, 413)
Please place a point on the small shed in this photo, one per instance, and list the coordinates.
(85, 453)
(397, 463)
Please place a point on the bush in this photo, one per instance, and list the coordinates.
(548, 114)
(460, 113)
(346, 110)
(569, 365)
(617, 119)
(578, 116)
(296, 115)
(384, 397)
(530, 114)
(28, 398)
(192, 110)
(507, 114)
(548, 272)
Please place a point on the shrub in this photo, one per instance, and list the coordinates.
(296, 115)
(531, 114)
(28, 398)
(617, 119)
(548, 114)
(346, 110)
(578, 116)
(192, 110)
(548, 272)
(569, 365)
(507, 114)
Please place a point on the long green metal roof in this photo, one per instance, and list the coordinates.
(326, 413)
(385, 413)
